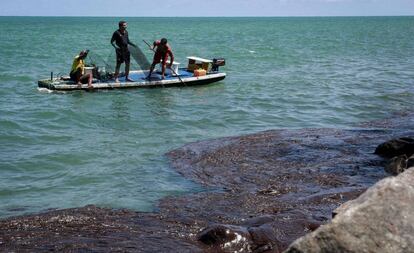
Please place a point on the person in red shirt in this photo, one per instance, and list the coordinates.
(161, 55)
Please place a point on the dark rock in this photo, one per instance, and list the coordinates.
(226, 238)
(396, 165)
(312, 226)
(410, 161)
(230, 238)
(264, 238)
(380, 220)
(90, 229)
(396, 147)
(258, 221)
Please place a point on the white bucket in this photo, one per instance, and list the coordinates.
(168, 71)
(88, 70)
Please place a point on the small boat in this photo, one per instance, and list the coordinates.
(198, 72)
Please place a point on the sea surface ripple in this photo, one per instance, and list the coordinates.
(60, 150)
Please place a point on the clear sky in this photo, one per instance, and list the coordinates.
(139, 8)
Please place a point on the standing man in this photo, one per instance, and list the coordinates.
(120, 37)
(161, 55)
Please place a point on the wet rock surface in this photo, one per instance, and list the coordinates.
(396, 147)
(263, 191)
(396, 165)
(401, 151)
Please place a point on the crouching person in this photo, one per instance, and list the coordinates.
(77, 73)
(161, 56)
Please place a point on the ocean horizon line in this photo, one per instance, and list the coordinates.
(93, 16)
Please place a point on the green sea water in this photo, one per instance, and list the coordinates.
(60, 150)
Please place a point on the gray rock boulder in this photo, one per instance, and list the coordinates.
(380, 220)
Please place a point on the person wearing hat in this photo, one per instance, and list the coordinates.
(77, 73)
(120, 42)
(161, 55)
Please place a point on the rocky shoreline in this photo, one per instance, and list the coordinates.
(265, 191)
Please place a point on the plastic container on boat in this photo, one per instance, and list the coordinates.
(200, 72)
(88, 70)
(168, 71)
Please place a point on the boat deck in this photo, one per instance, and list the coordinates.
(185, 78)
(156, 76)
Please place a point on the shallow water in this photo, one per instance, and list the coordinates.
(107, 148)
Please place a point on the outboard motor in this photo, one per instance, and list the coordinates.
(217, 62)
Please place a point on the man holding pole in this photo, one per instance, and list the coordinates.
(161, 55)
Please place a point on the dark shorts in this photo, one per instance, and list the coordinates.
(160, 58)
(123, 55)
(77, 75)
